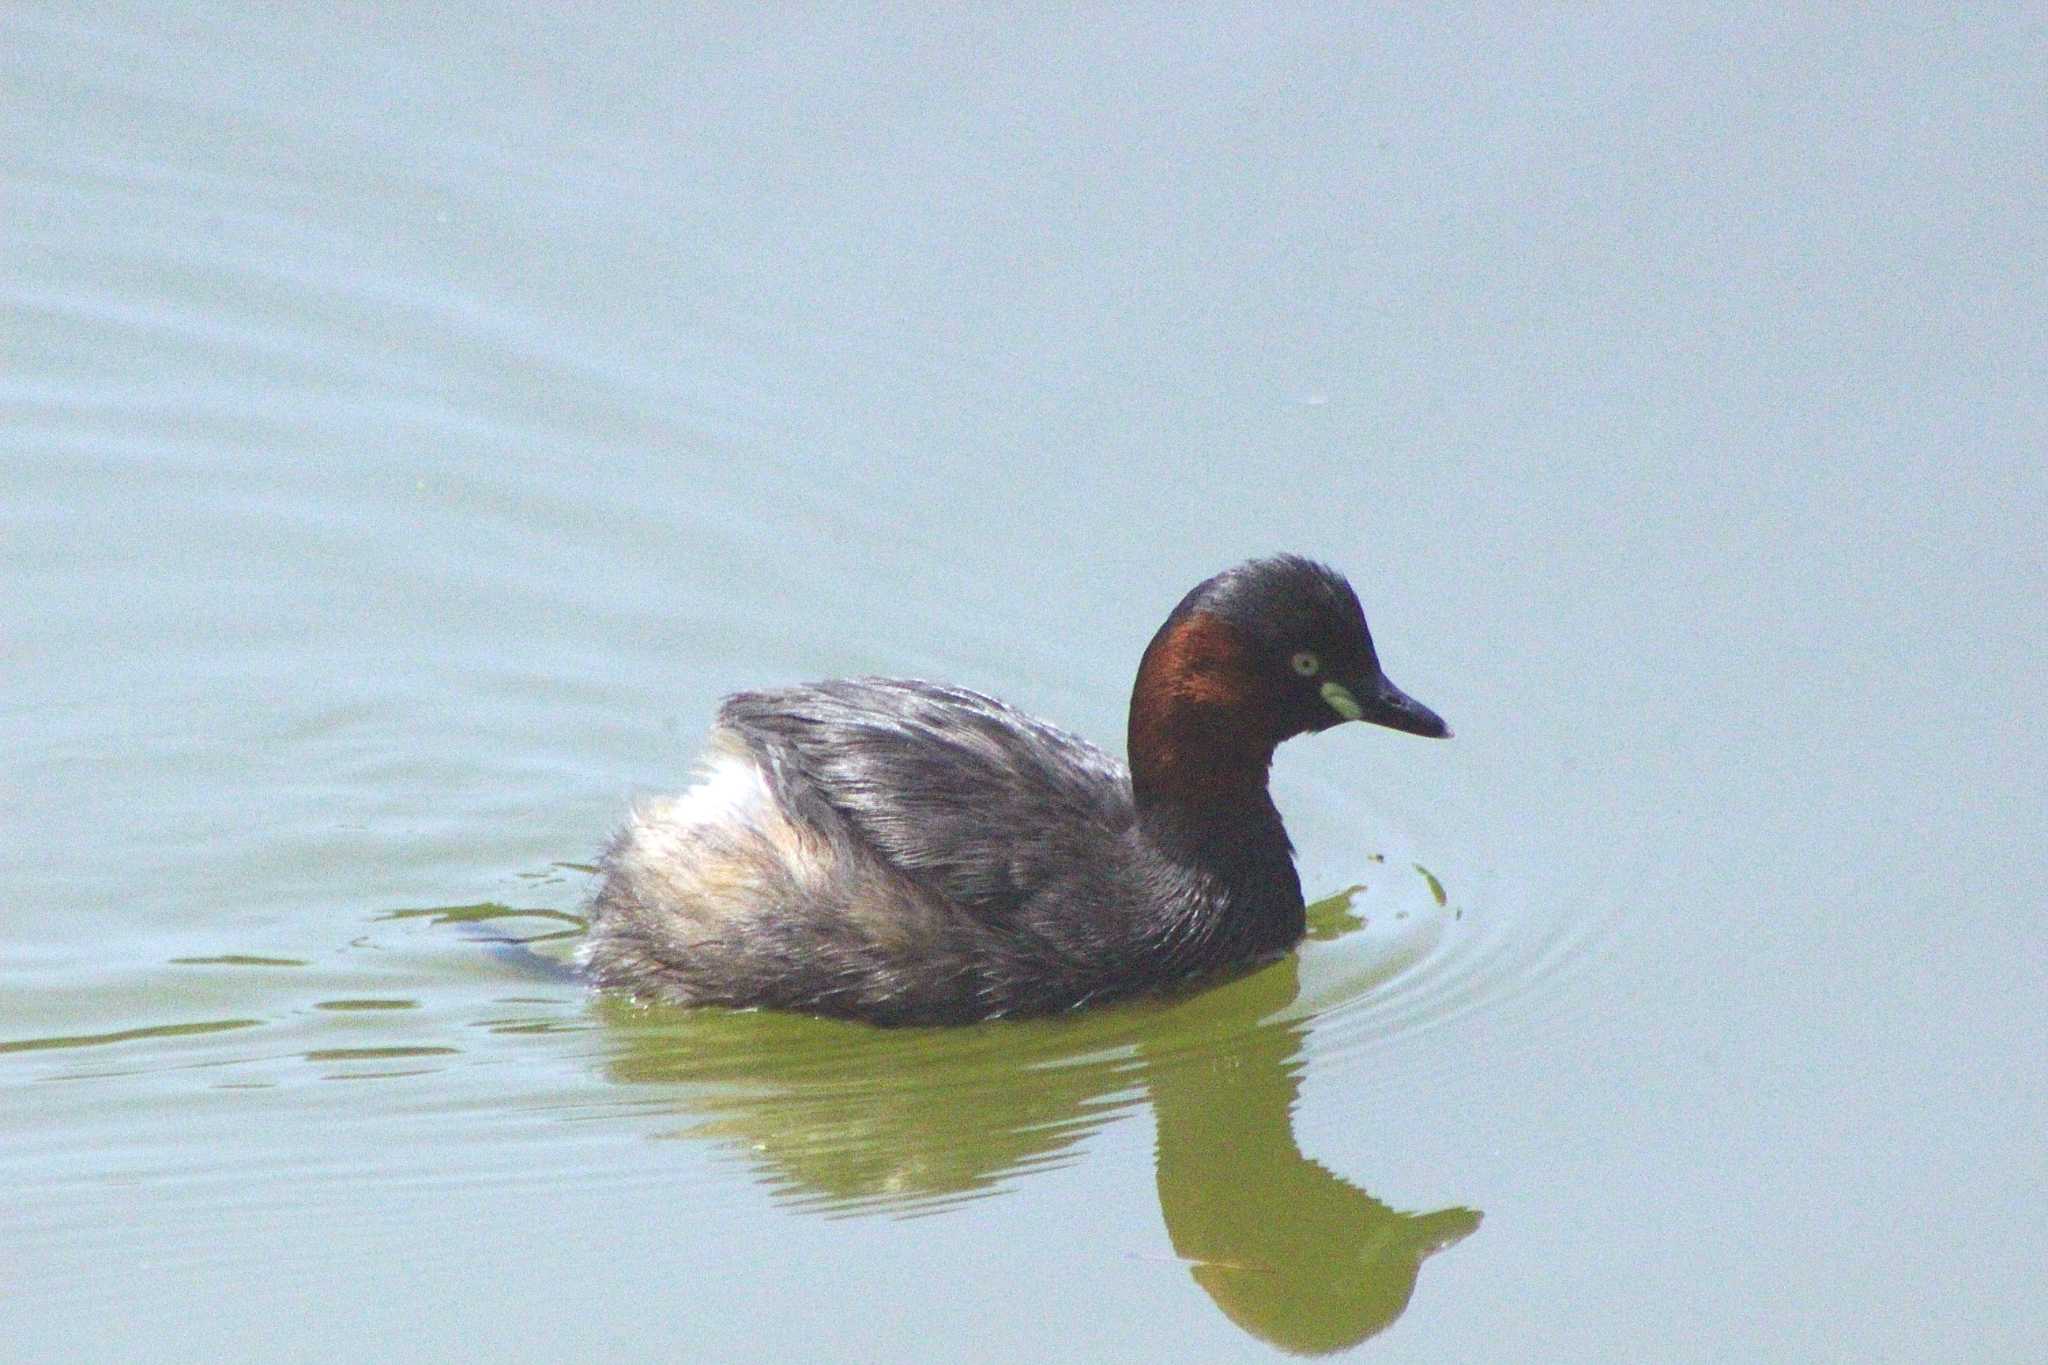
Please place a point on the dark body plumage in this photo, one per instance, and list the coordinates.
(903, 852)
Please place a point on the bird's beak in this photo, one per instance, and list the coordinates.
(1382, 703)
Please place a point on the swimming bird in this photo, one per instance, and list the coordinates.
(903, 852)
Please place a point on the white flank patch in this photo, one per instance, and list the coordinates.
(731, 791)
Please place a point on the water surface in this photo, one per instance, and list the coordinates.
(412, 423)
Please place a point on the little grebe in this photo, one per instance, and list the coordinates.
(906, 853)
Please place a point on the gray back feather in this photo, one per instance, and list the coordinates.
(972, 800)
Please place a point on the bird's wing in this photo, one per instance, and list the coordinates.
(968, 798)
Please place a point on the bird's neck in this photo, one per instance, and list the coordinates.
(1224, 880)
(1200, 739)
(1201, 745)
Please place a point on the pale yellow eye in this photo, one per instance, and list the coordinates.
(1306, 664)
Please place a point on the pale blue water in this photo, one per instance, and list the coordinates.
(411, 423)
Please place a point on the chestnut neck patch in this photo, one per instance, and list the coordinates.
(1202, 728)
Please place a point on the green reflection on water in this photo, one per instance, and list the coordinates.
(1332, 917)
(841, 1119)
(128, 1035)
(1292, 1252)
(486, 911)
(1436, 888)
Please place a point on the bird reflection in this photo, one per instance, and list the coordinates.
(1291, 1252)
(844, 1119)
